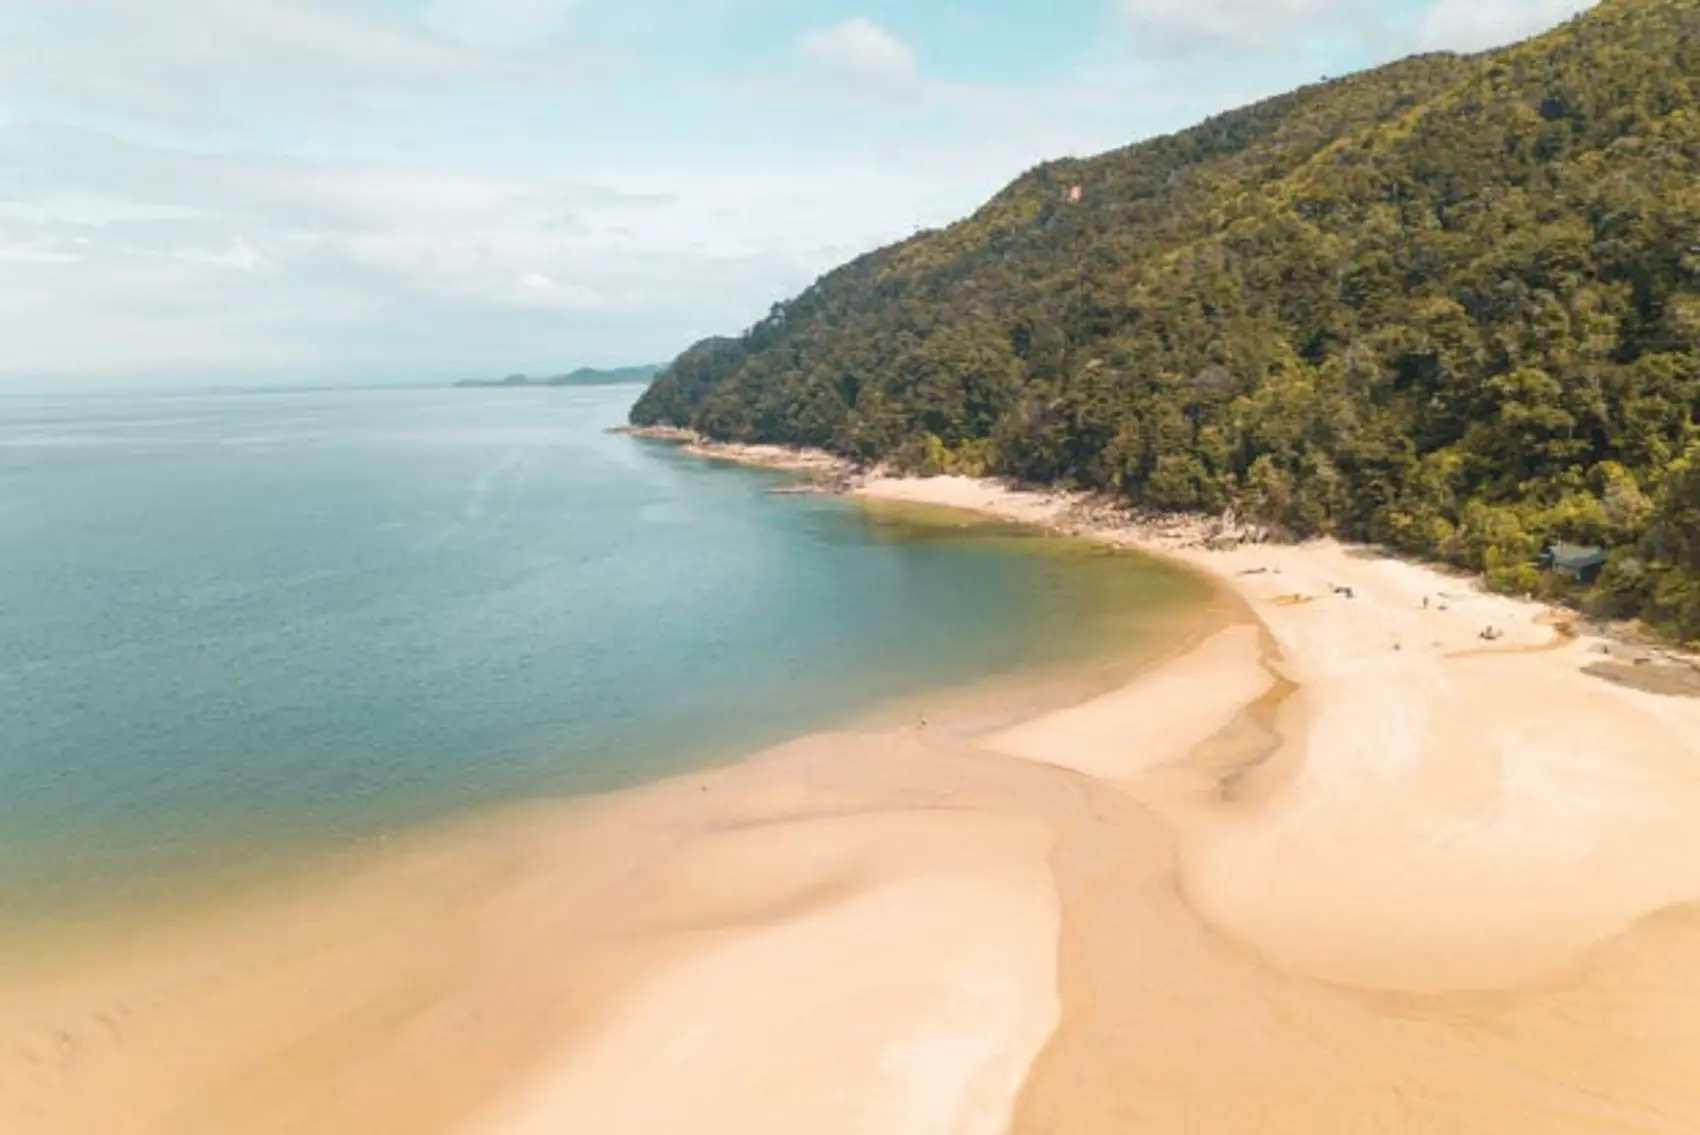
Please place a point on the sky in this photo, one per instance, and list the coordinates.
(240, 191)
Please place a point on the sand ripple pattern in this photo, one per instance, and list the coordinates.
(1338, 865)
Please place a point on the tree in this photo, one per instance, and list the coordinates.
(1452, 304)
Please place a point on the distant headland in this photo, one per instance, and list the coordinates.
(583, 376)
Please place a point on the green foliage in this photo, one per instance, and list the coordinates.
(1670, 551)
(1452, 305)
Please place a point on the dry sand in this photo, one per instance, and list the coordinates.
(1427, 883)
(1345, 866)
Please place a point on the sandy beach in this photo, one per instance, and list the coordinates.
(1342, 863)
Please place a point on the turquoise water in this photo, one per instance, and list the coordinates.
(246, 621)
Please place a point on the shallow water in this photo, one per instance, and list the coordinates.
(237, 625)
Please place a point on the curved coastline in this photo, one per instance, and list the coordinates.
(1459, 895)
(1314, 870)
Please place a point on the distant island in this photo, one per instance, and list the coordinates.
(583, 376)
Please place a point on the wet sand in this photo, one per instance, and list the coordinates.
(1340, 865)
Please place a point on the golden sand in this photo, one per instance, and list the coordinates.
(1346, 868)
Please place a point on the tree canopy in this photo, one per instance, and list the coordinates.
(1451, 305)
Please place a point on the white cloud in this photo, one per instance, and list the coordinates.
(461, 231)
(195, 58)
(1474, 25)
(236, 264)
(1264, 27)
(499, 23)
(861, 53)
(1232, 25)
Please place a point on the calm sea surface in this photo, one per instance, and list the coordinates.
(238, 622)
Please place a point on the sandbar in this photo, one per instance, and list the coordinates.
(1378, 853)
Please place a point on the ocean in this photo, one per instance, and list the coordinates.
(241, 625)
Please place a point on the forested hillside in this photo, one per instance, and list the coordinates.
(1451, 305)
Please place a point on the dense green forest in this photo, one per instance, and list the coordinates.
(1451, 305)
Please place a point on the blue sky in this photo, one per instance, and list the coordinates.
(379, 190)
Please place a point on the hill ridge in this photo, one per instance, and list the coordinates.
(1451, 305)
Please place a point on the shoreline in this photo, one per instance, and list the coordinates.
(1111, 523)
(1353, 859)
(817, 468)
